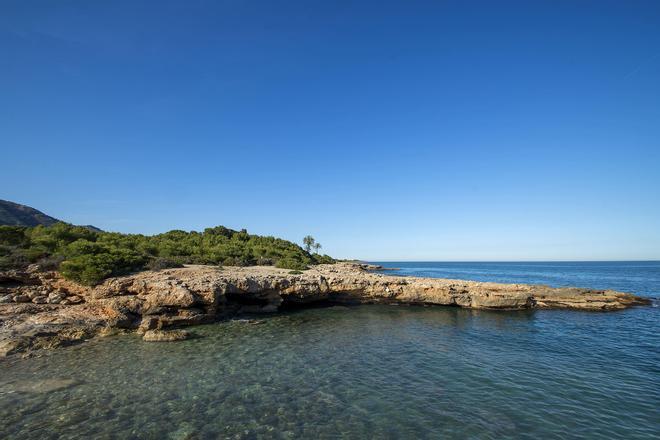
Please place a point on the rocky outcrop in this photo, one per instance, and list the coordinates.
(42, 310)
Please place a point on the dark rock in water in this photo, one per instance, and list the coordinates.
(249, 321)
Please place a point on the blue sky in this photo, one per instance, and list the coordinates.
(388, 130)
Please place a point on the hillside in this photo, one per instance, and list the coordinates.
(15, 214)
(88, 256)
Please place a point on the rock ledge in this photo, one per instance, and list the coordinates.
(42, 310)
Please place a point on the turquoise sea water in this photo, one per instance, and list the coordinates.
(366, 372)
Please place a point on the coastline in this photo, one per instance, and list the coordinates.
(41, 310)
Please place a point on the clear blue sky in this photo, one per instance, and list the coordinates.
(388, 130)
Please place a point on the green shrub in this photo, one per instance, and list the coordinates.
(92, 269)
(262, 261)
(89, 256)
(289, 263)
(86, 269)
(13, 235)
(51, 262)
(6, 263)
(16, 259)
(233, 261)
(323, 259)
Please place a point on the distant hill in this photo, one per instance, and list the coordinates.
(15, 214)
(20, 215)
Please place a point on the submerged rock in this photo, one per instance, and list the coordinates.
(165, 335)
(38, 386)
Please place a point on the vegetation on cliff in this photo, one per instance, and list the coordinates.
(89, 256)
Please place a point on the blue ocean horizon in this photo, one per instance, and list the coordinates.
(637, 277)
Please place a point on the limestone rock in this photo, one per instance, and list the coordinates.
(55, 297)
(37, 309)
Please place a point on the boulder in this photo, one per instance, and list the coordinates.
(149, 323)
(55, 297)
(174, 296)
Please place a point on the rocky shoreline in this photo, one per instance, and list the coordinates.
(41, 310)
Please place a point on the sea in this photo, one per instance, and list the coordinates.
(366, 372)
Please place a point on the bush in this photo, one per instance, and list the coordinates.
(6, 263)
(92, 269)
(323, 259)
(51, 262)
(262, 261)
(13, 235)
(160, 263)
(231, 261)
(295, 272)
(289, 263)
(87, 269)
(14, 260)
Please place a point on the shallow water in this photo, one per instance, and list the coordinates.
(358, 372)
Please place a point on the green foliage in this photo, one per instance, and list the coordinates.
(290, 263)
(234, 261)
(51, 262)
(263, 261)
(89, 256)
(310, 243)
(12, 235)
(323, 259)
(91, 269)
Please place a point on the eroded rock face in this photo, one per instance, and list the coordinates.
(44, 310)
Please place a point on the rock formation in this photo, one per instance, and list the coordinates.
(42, 310)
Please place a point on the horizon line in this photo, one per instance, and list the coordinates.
(512, 261)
